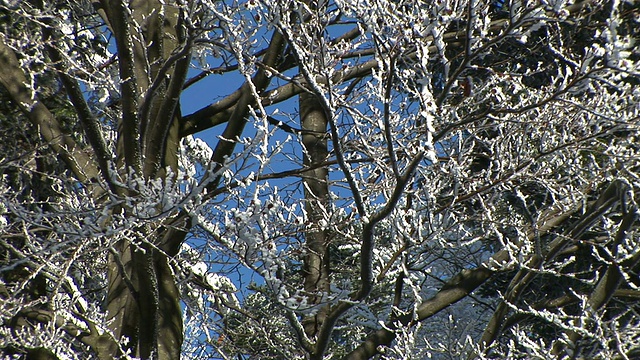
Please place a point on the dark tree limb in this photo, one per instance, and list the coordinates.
(524, 276)
(238, 118)
(457, 288)
(13, 79)
(612, 278)
(462, 285)
(129, 148)
(92, 128)
(366, 255)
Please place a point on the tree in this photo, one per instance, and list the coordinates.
(391, 178)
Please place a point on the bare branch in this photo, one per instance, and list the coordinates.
(13, 79)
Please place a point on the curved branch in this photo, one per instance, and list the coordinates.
(129, 133)
(238, 117)
(610, 281)
(101, 343)
(203, 74)
(366, 255)
(609, 198)
(13, 79)
(460, 286)
(89, 122)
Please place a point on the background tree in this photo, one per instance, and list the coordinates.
(390, 178)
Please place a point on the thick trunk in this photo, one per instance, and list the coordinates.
(143, 302)
(316, 191)
(143, 299)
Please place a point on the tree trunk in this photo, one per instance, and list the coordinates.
(316, 192)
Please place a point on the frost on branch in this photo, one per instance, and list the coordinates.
(319, 180)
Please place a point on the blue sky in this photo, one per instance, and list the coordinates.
(210, 90)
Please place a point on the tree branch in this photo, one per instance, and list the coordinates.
(129, 131)
(525, 275)
(156, 141)
(609, 282)
(238, 119)
(458, 287)
(366, 254)
(96, 341)
(13, 79)
(89, 122)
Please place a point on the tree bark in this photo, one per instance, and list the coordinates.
(316, 192)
